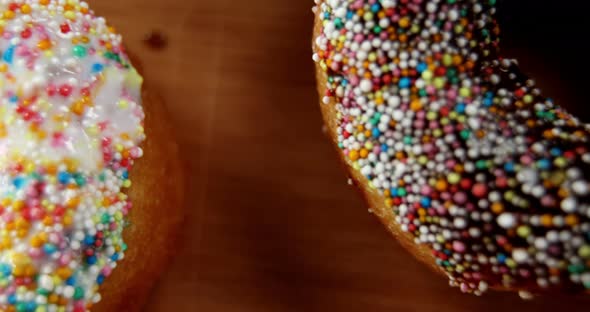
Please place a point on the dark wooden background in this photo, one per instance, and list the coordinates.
(271, 223)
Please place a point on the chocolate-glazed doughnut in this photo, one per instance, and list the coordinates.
(455, 149)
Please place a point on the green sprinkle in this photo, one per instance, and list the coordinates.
(78, 293)
(105, 218)
(575, 268)
(79, 51)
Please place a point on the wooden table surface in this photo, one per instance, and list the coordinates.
(271, 223)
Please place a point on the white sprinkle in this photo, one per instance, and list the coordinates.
(569, 204)
(366, 85)
(507, 220)
(520, 255)
(580, 187)
(68, 291)
(525, 295)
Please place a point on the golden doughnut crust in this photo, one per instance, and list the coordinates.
(375, 201)
(157, 195)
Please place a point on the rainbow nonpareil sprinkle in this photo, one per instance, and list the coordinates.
(71, 123)
(472, 160)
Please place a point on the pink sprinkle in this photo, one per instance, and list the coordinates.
(458, 246)
(526, 160)
(547, 201)
(64, 259)
(35, 252)
(452, 94)
(459, 198)
(426, 190)
(106, 271)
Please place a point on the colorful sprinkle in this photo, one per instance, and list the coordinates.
(473, 161)
(66, 146)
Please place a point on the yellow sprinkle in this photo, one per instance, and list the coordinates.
(92, 130)
(8, 14)
(25, 8)
(67, 220)
(70, 15)
(44, 44)
(404, 22)
(73, 202)
(78, 108)
(18, 205)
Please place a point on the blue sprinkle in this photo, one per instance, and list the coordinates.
(425, 202)
(64, 177)
(12, 299)
(71, 281)
(543, 164)
(421, 67)
(393, 192)
(501, 258)
(404, 83)
(8, 56)
(49, 248)
(509, 167)
(125, 174)
(384, 147)
(487, 102)
(31, 306)
(5, 269)
(375, 7)
(349, 15)
(89, 240)
(97, 67)
(13, 99)
(376, 132)
(91, 260)
(115, 257)
(555, 151)
(100, 279)
(460, 108)
(19, 182)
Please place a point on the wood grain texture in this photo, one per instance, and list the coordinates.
(272, 224)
